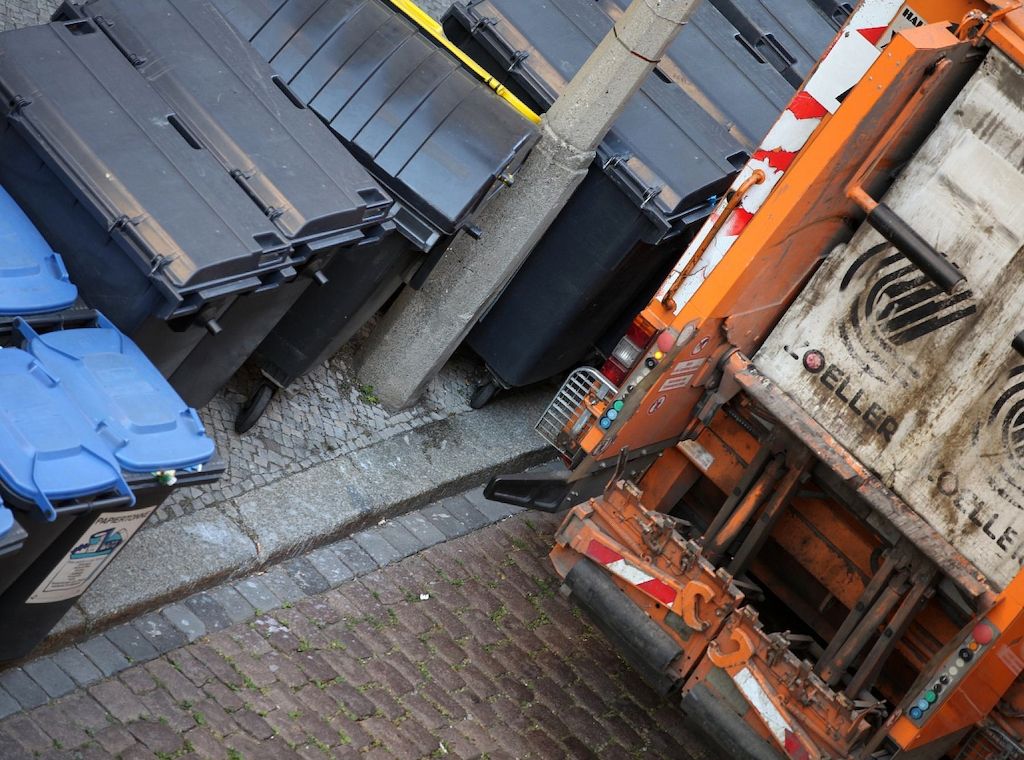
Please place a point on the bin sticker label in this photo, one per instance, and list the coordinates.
(91, 553)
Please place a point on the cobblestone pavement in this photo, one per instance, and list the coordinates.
(322, 416)
(17, 13)
(463, 649)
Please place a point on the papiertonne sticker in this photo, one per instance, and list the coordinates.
(91, 553)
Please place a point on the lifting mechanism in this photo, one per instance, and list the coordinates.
(792, 513)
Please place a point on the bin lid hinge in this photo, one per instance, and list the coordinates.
(124, 221)
(650, 193)
(160, 262)
(617, 160)
(19, 103)
(517, 58)
(481, 23)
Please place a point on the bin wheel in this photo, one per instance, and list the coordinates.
(254, 408)
(483, 395)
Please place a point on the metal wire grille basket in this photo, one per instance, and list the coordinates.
(568, 412)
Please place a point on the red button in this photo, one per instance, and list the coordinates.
(982, 633)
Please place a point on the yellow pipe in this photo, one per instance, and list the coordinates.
(434, 29)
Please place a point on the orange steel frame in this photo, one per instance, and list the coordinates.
(812, 209)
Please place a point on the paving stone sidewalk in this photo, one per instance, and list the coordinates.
(438, 634)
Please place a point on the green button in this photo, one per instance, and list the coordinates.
(931, 696)
(617, 406)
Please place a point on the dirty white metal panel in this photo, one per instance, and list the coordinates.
(921, 386)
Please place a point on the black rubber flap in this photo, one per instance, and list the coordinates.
(173, 135)
(433, 134)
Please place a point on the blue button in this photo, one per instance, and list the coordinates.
(915, 713)
(605, 423)
(922, 704)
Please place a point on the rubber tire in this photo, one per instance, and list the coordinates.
(483, 395)
(254, 408)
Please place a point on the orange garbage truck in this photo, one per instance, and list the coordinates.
(802, 510)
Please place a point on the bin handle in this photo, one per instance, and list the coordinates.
(30, 336)
(191, 414)
(41, 500)
(62, 270)
(46, 506)
(114, 502)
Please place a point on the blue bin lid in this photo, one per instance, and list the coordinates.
(143, 420)
(6, 522)
(33, 279)
(48, 449)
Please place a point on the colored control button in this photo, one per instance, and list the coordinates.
(923, 704)
(982, 633)
(973, 646)
(953, 670)
(960, 662)
(617, 406)
(965, 654)
(611, 414)
(605, 423)
(915, 713)
(930, 697)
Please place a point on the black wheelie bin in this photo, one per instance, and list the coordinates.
(158, 153)
(675, 148)
(101, 439)
(431, 132)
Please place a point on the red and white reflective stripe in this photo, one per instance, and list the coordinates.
(616, 564)
(850, 56)
(777, 724)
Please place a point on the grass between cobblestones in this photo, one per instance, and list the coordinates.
(463, 650)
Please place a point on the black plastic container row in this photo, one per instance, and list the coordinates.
(439, 140)
(158, 153)
(675, 148)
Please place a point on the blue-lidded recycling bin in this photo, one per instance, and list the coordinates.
(147, 425)
(33, 279)
(53, 464)
(128, 426)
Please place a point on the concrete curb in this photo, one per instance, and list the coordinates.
(298, 513)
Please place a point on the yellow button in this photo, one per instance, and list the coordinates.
(973, 646)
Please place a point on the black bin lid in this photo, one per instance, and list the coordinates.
(666, 151)
(437, 137)
(714, 65)
(171, 131)
(709, 102)
(789, 35)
